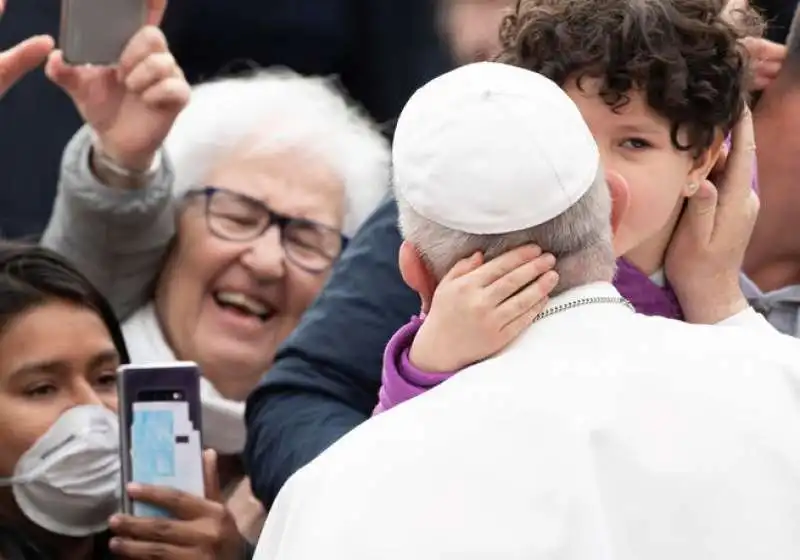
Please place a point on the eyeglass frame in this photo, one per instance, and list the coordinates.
(282, 221)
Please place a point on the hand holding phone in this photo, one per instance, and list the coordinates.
(199, 528)
(130, 107)
(161, 427)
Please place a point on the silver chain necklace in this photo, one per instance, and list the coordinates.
(583, 301)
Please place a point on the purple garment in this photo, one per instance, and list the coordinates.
(646, 297)
(402, 381)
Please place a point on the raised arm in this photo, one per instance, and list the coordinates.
(114, 211)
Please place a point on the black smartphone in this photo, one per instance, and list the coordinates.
(160, 430)
(97, 31)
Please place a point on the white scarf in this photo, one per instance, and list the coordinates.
(223, 419)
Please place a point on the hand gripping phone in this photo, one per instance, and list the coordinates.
(160, 430)
(97, 31)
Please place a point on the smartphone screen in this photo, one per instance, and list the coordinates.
(161, 442)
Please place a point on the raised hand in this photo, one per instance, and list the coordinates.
(707, 249)
(22, 58)
(131, 107)
(201, 528)
(479, 308)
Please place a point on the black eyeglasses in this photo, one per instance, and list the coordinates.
(236, 217)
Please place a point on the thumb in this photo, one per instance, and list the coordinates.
(211, 476)
(60, 73)
(701, 209)
(464, 266)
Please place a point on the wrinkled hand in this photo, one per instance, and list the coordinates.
(478, 309)
(132, 106)
(22, 58)
(202, 529)
(707, 249)
(766, 60)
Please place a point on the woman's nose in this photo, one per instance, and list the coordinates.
(83, 393)
(266, 257)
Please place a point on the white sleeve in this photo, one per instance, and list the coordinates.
(747, 318)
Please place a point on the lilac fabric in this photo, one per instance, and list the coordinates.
(402, 381)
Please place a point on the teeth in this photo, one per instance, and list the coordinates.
(242, 301)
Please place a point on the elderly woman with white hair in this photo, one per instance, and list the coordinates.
(213, 251)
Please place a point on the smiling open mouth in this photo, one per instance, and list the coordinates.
(244, 305)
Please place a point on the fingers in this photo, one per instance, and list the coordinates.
(760, 49)
(211, 476)
(180, 504)
(532, 297)
(127, 548)
(464, 266)
(154, 529)
(495, 269)
(155, 12)
(150, 71)
(737, 178)
(22, 58)
(700, 214)
(148, 41)
(517, 279)
(764, 73)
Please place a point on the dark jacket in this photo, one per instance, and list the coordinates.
(382, 51)
(15, 546)
(326, 376)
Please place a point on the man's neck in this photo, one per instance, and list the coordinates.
(772, 260)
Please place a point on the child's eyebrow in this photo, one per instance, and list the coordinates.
(642, 128)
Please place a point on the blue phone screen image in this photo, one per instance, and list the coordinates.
(153, 453)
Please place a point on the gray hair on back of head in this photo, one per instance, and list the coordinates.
(276, 110)
(580, 239)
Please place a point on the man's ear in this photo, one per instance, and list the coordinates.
(416, 274)
(620, 198)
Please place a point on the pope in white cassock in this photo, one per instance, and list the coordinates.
(599, 434)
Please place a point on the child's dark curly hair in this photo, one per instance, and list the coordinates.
(685, 55)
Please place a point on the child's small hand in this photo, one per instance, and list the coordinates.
(478, 309)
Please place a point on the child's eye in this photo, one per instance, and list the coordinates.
(636, 144)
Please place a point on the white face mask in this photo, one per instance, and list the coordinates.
(68, 482)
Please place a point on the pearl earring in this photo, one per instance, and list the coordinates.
(692, 188)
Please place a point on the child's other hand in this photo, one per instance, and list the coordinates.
(479, 308)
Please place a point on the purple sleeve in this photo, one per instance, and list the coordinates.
(401, 381)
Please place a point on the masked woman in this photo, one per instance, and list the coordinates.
(60, 346)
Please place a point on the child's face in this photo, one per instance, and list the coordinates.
(635, 142)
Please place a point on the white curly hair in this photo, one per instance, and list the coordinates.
(278, 109)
